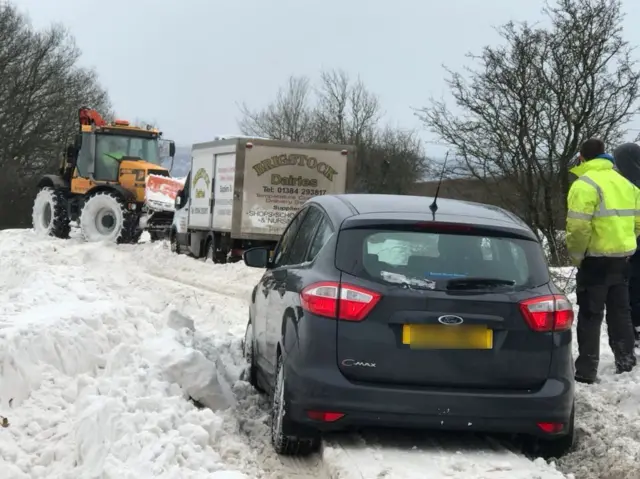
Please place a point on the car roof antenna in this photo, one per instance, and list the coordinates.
(434, 206)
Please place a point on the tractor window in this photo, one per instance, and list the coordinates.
(109, 148)
(84, 156)
(145, 148)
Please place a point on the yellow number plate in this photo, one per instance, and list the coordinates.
(436, 336)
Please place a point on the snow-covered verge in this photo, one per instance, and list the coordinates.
(95, 364)
(607, 414)
(101, 347)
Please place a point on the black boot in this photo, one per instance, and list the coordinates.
(625, 364)
(585, 380)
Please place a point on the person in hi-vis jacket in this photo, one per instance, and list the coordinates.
(603, 222)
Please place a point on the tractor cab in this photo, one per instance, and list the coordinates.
(115, 153)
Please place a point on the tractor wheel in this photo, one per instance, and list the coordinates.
(104, 217)
(50, 213)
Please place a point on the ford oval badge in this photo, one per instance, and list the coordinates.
(450, 320)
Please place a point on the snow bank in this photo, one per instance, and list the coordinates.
(96, 368)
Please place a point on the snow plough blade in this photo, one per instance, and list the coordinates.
(161, 192)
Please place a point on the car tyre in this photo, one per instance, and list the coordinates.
(287, 437)
(250, 374)
(555, 448)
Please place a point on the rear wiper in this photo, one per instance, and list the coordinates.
(473, 283)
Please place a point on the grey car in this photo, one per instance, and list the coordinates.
(373, 311)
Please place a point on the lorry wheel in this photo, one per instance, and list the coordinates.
(50, 213)
(209, 251)
(104, 217)
(173, 242)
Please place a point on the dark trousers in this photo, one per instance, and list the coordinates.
(634, 297)
(604, 282)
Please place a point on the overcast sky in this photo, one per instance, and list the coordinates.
(187, 65)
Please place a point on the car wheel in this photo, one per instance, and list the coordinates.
(555, 448)
(287, 437)
(250, 373)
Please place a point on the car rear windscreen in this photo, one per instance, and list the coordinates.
(431, 259)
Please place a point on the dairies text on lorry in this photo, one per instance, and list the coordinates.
(295, 159)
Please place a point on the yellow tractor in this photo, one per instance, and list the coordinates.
(101, 184)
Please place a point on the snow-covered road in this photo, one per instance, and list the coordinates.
(100, 344)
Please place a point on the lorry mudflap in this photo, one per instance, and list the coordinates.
(161, 192)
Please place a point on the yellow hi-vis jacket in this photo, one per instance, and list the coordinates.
(603, 217)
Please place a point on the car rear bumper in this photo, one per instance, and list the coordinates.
(384, 406)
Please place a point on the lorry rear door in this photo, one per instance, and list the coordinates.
(201, 187)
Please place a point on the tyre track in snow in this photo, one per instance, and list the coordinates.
(192, 284)
(417, 454)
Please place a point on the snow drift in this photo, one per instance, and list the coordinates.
(96, 371)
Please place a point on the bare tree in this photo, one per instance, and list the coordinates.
(289, 117)
(41, 90)
(345, 112)
(392, 162)
(341, 111)
(533, 100)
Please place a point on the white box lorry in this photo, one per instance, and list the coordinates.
(241, 192)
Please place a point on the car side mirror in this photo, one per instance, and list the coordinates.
(256, 258)
(172, 149)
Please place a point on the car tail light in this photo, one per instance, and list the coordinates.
(339, 300)
(324, 416)
(548, 313)
(551, 427)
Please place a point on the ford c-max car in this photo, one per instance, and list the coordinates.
(375, 312)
